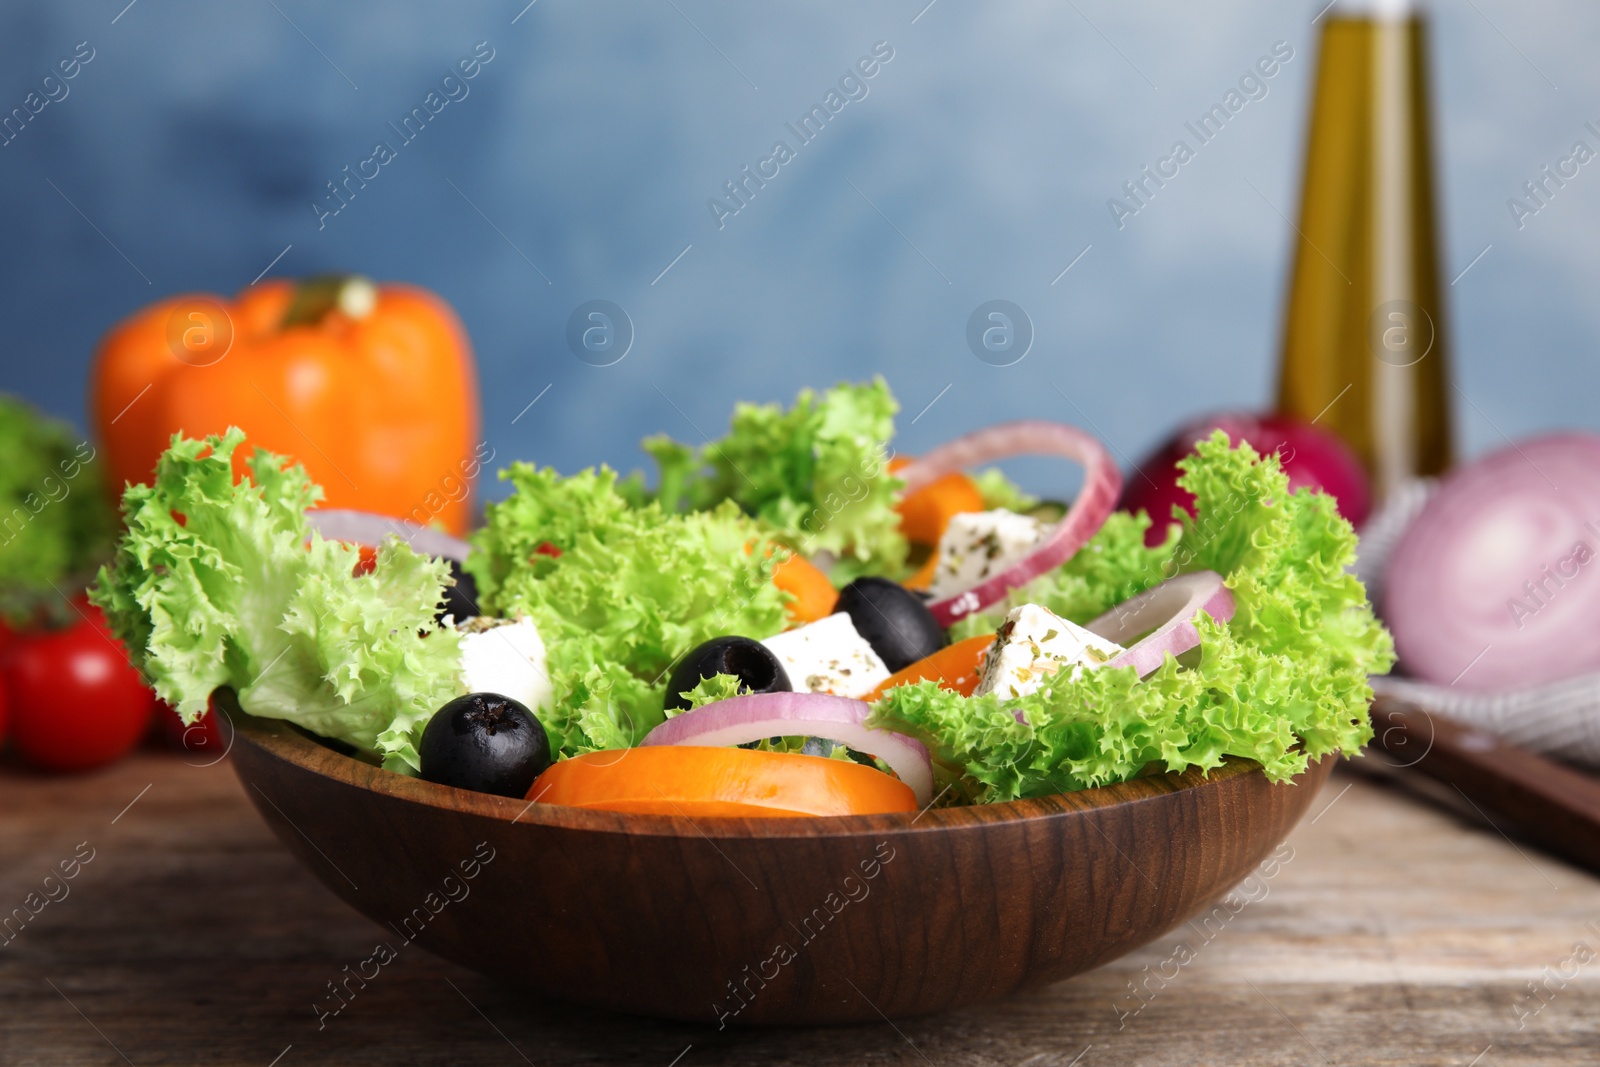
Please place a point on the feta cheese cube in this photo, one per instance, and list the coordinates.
(979, 544)
(828, 656)
(505, 656)
(1032, 645)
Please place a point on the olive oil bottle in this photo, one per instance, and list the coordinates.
(1364, 350)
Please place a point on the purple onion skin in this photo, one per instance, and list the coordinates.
(1312, 457)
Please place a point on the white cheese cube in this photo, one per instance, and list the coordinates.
(979, 544)
(505, 656)
(828, 656)
(1032, 645)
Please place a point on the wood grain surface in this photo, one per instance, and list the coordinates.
(1389, 931)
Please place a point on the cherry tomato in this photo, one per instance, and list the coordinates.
(75, 701)
(208, 737)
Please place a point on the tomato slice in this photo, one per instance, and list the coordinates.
(925, 513)
(956, 667)
(703, 782)
(814, 595)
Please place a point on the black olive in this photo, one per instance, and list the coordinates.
(757, 669)
(461, 599)
(484, 742)
(892, 619)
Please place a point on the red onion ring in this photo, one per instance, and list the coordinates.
(1102, 482)
(1167, 614)
(758, 716)
(1495, 584)
(367, 528)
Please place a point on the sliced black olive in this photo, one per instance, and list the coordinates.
(757, 669)
(461, 599)
(892, 619)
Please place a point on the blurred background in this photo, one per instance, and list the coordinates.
(193, 151)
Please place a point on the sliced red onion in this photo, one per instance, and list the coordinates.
(1495, 585)
(1101, 484)
(1166, 614)
(367, 528)
(758, 716)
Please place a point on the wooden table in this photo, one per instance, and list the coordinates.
(1391, 932)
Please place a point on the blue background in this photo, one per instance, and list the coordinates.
(193, 145)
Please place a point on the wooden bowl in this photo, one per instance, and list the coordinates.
(738, 921)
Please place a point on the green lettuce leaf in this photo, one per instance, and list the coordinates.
(816, 473)
(998, 491)
(217, 583)
(709, 691)
(55, 523)
(1285, 681)
(619, 593)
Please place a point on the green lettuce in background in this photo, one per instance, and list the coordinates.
(223, 584)
(816, 473)
(998, 491)
(1283, 682)
(619, 592)
(55, 524)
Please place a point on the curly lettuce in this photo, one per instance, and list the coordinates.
(998, 491)
(55, 524)
(816, 473)
(709, 691)
(619, 592)
(1283, 682)
(222, 583)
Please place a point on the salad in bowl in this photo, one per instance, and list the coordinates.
(790, 621)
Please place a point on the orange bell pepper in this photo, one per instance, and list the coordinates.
(704, 782)
(814, 595)
(372, 388)
(956, 667)
(924, 514)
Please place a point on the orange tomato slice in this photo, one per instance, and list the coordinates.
(924, 514)
(704, 782)
(814, 595)
(956, 667)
